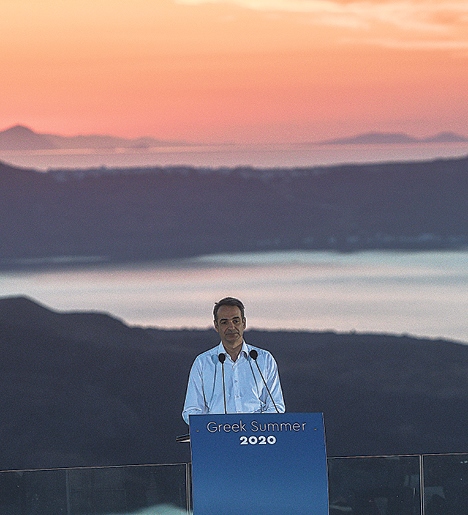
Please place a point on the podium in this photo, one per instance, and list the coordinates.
(259, 464)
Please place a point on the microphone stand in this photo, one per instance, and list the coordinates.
(254, 355)
(222, 359)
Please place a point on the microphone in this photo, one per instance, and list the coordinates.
(222, 359)
(254, 355)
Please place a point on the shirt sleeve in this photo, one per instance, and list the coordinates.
(194, 399)
(274, 385)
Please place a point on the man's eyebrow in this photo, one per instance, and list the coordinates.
(233, 318)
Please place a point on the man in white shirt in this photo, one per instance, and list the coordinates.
(233, 377)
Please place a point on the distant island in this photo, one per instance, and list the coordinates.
(395, 138)
(20, 137)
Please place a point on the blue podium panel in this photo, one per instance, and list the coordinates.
(259, 464)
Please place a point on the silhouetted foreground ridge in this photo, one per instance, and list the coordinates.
(86, 389)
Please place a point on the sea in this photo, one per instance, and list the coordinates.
(214, 156)
(422, 294)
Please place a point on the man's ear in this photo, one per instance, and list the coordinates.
(215, 323)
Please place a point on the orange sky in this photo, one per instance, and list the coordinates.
(240, 70)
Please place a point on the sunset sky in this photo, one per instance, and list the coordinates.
(213, 71)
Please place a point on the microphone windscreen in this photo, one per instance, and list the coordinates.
(253, 354)
(222, 357)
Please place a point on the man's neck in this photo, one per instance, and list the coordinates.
(233, 351)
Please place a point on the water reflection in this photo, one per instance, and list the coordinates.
(422, 294)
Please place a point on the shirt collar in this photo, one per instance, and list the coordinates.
(244, 351)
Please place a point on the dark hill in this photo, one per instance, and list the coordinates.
(86, 389)
(159, 213)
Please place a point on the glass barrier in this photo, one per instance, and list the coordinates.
(368, 485)
(139, 489)
(445, 484)
(377, 485)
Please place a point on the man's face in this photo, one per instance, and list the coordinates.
(230, 326)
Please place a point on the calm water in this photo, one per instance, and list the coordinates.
(232, 155)
(422, 294)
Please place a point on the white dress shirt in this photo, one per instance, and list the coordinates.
(244, 389)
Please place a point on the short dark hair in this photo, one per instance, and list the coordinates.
(228, 301)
